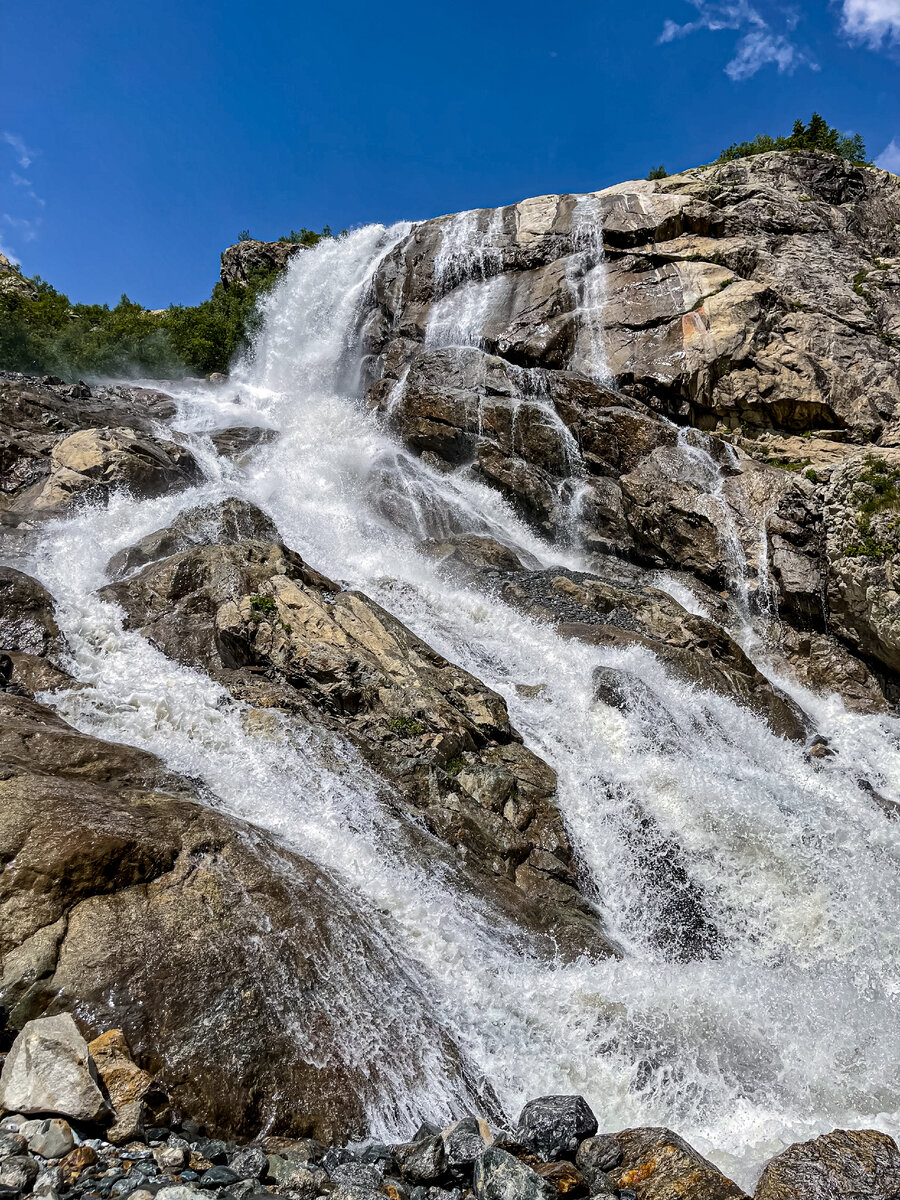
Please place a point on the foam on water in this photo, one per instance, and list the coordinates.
(793, 1030)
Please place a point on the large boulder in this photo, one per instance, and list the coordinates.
(233, 520)
(845, 1163)
(244, 978)
(657, 1164)
(277, 633)
(36, 413)
(27, 623)
(553, 1127)
(49, 1070)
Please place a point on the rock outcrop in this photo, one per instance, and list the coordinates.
(248, 258)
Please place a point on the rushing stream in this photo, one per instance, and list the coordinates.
(793, 1030)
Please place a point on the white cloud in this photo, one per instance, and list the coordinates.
(871, 21)
(759, 48)
(889, 158)
(759, 44)
(24, 156)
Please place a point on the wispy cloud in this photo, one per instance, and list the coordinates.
(889, 158)
(26, 229)
(22, 182)
(24, 156)
(761, 43)
(873, 22)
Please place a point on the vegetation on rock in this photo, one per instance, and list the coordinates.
(817, 135)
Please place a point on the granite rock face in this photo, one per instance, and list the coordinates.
(855, 1162)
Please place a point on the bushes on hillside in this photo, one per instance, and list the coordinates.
(47, 334)
(817, 135)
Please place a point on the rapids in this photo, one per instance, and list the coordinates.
(792, 1031)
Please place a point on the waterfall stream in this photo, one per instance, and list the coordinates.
(792, 1031)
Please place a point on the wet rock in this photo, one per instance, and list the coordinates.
(856, 1162)
(598, 1155)
(358, 1175)
(464, 1141)
(90, 464)
(553, 1127)
(475, 552)
(564, 1177)
(658, 1165)
(233, 520)
(49, 1069)
(18, 1171)
(27, 623)
(423, 1161)
(219, 1176)
(76, 1162)
(278, 634)
(123, 1079)
(171, 1158)
(237, 440)
(48, 1138)
(499, 1176)
(124, 881)
(250, 1162)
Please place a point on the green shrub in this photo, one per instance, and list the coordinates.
(659, 172)
(817, 135)
(406, 726)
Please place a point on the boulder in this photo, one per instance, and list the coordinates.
(423, 1161)
(232, 520)
(464, 1141)
(854, 1162)
(553, 1127)
(202, 938)
(27, 623)
(235, 441)
(659, 1165)
(51, 1138)
(49, 1070)
(499, 1176)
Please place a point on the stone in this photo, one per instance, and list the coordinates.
(27, 623)
(170, 1158)
(601, 1152)
(18, 1171)
(855, 1162)
(13, 1142)
(179, 1192)
(234, 443)
(564, 1178)
(464, 1141)
(358, 1174)
(277, 634)
(128, 1123)
(49, 1138)
(423, 1161)
(499, 1176)
(250, 1162)
(553, 1127)
(302, 1180)
(49, 1069)
(124, 1081)
(77, 1161)
(658, 1165)
(245, 259)
(218, 1177)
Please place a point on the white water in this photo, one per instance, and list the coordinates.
(794, 1030)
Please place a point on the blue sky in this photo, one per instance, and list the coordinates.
(137, 140)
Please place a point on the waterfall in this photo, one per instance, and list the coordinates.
(791, 1031)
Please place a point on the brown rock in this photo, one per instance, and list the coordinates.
(659, 1165)
(851, 1163)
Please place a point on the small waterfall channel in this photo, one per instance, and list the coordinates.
(794, 1029)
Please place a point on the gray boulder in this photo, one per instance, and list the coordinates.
(51, 1138)
(49, 1070)
(553, 1127)
(499, 1176)
(659, 1165)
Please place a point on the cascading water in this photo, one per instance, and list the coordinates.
(792, 1030)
